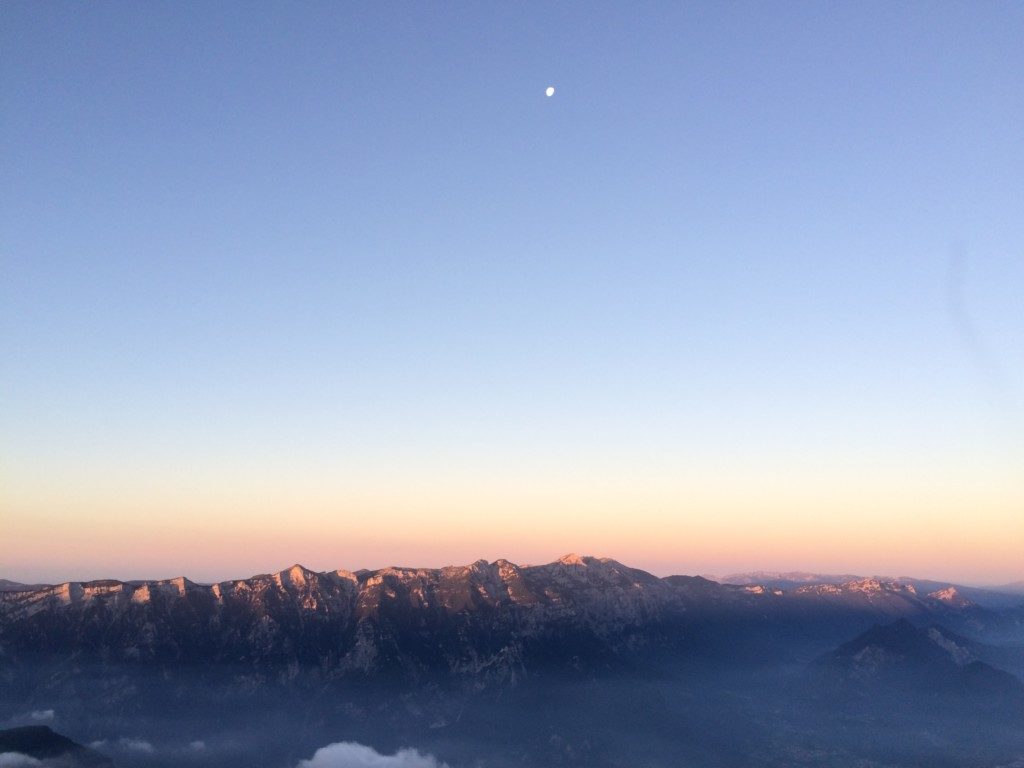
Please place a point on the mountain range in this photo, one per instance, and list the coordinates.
(997, 596)
(569, 654)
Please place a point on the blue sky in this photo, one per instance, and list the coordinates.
(259, 246)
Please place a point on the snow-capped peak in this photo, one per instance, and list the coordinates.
(573, 559)
(950, 595)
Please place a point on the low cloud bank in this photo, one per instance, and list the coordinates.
(20, 760)
(124, 744)
(34, 717)
(348, 754)
(17, 760)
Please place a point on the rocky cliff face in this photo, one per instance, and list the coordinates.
(480, 619)
(485, 621)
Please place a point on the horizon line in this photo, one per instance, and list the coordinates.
(571, 558)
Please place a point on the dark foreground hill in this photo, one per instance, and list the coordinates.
(904, 695)
(41, 743)
(900, 657)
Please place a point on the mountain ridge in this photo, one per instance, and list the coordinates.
(446, 653)
(786, 580)
(352, 622)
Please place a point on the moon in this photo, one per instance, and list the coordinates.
(549, 91)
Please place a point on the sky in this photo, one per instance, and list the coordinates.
(337, 284)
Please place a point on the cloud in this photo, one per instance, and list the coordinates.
(198, 745)
(32, 717)
(348, 754)
(17, 760)
(135, 745)
(20, 760)
(125, 744)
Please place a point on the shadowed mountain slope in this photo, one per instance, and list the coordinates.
(41, 743)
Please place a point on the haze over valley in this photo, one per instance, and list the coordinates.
(582, 661)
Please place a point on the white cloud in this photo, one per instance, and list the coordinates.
(348, 754)
(135, 745)
(198, 745)
(125, 744)
(31, 717)
(17, 760)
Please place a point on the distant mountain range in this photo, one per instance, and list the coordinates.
(491, 617)
(787, 578)
(589, 661)
(998, 596)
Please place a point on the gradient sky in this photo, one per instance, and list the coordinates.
(336, 284)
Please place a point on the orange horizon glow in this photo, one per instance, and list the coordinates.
(926, 526)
